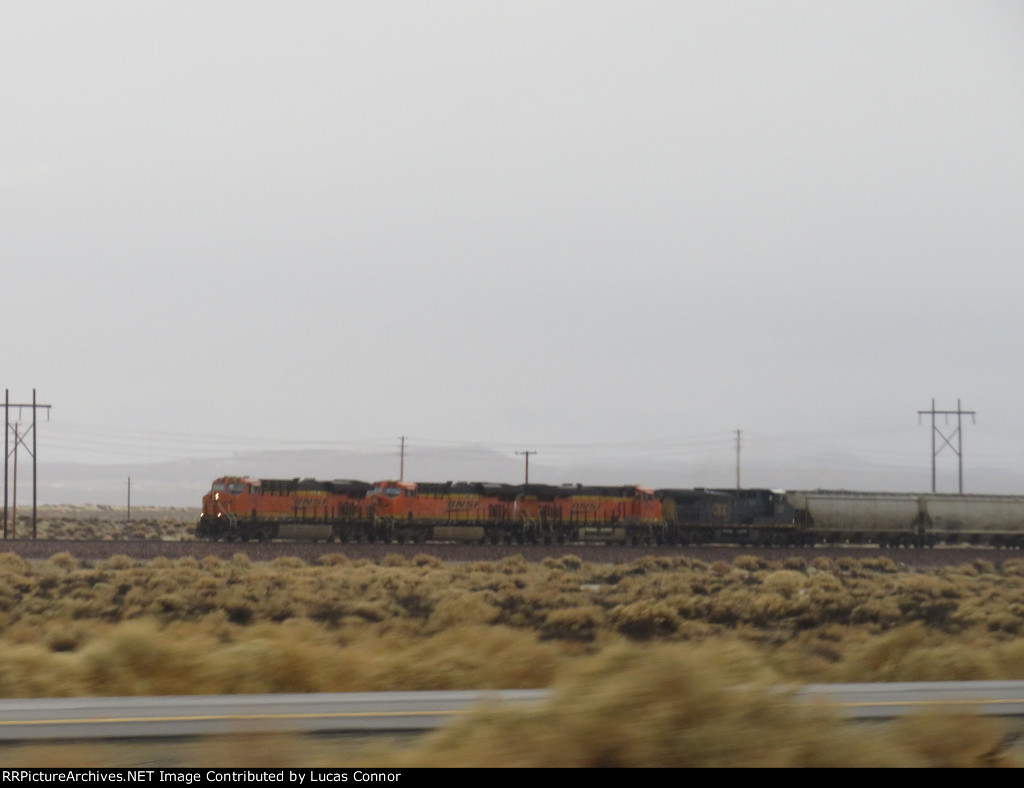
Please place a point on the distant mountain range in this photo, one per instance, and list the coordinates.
(183, 482)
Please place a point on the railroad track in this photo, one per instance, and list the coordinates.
(99, 549)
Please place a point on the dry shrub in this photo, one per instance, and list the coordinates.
(785, 582)
(269, 663)
(749, 563)
(118, 561)
(33, 671)
(646, 619)
(1009, 657)
(12, 562)
(883, 611)
(915, 653)
(813, 652)
(643, 565)
(481, 657)
(949, 662)
(460, 609)
(769, 609)
(371, 611)
(1013, 567)
(63, 636)
(579, 624)
(879, 564)
(822, 564)
(662, 707)
(514, 565)
(64, 561)
(949, 738)
(139, 659)
(571, 563)
(238, 608)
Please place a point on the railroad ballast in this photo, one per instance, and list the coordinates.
(243, 509)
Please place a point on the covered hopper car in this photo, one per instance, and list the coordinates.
(910, 519)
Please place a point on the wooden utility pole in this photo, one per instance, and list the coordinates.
(737, 459)
(527, 453)
(14, 519)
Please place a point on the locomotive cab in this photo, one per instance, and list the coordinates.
(229, 498)
(389, 498)
(646, 507)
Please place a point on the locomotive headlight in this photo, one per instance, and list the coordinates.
(216, 496)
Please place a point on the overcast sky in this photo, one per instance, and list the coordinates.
(592, 229)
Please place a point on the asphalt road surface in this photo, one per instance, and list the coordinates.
(375, 712)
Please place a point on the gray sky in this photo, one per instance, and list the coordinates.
(608, 231)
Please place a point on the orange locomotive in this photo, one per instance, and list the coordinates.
(449, 511)
(588, 513)
(242, 508)
(497, 513)
(245, 508)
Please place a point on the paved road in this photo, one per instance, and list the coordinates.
(880, 701)
(197, 715)
(94, 718)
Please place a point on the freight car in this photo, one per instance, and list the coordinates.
(909, 519)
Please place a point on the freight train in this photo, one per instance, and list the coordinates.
(243, 509)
